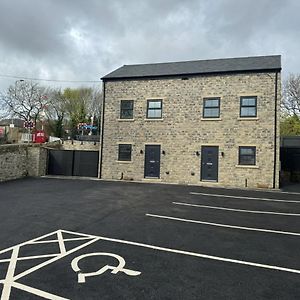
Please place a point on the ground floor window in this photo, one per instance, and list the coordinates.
(247, 155)
(125, 152)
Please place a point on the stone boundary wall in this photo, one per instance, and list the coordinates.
(79, 145)
(20, 160)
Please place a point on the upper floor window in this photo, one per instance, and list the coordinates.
(247, 155)
(126, 110)
(125, 152)
(154, 109)
(211, 107)
(248, 106)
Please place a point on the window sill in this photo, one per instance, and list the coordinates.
(154, 179)
(248, 118)
(147, 119)
(211, 119)
(124, 161)
(247, 166)
(125, 120)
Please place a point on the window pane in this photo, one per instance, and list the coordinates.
(247, 151)
(154, 113)
(127, 114)
(154, 104)
(126, 104)
(247, 155)
(247, 160)
(126, 109)
(124, 152)
(248, 111)
(211, 102)
(248, 102)
(211, 112)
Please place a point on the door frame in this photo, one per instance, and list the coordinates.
(201, 164)
(152, 144)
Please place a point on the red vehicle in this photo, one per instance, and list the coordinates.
(39, 136)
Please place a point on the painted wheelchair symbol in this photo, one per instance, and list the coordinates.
(120, 268)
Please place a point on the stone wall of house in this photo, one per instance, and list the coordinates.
(182, 131)
(20, 160)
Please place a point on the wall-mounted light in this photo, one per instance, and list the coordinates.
(167, 172)
(193, 173)
(197, 153)
(222, 154)
(141, 151)
(163, 152)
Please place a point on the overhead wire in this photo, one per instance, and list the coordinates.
(49, 80)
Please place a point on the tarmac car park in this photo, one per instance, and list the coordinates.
(91, 239)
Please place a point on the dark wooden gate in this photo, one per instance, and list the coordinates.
(73, 163)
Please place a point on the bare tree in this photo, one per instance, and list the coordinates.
(24, 100)
(291, 95)
(55, 112)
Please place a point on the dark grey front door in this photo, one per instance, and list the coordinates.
(209, 163)
(152, 161)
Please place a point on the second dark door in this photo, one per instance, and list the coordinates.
(209, 163)
(152, 161)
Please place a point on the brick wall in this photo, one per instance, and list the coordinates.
(182, 130)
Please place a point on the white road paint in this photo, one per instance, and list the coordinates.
(55, 241)
(10, 280)
(244, 197)
(10, 274)
(115, 270)
(225, 225)
(200, 255)
(29, 257)
(37, 292)
(237, 210)
(61, 243)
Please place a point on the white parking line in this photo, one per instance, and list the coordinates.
(238, 210)
(225, 225)
(195, 254)
(244, 197)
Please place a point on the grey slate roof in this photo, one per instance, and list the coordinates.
(239, 64)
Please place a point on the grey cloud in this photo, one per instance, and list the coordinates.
(83, 40)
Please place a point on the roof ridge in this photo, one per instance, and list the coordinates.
(197, 60)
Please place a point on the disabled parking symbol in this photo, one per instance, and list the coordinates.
(114, 270)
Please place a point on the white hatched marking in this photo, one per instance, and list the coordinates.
(37, 292)
(61, 243)
(56, 241)
(9, 279)
(30, 257)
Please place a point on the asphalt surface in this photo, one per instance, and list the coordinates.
(173, 256)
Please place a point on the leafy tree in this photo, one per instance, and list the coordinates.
(81, 105)
(290, 126)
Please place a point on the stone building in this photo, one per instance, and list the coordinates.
(206, 122)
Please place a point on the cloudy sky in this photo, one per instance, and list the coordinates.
(82, 40)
